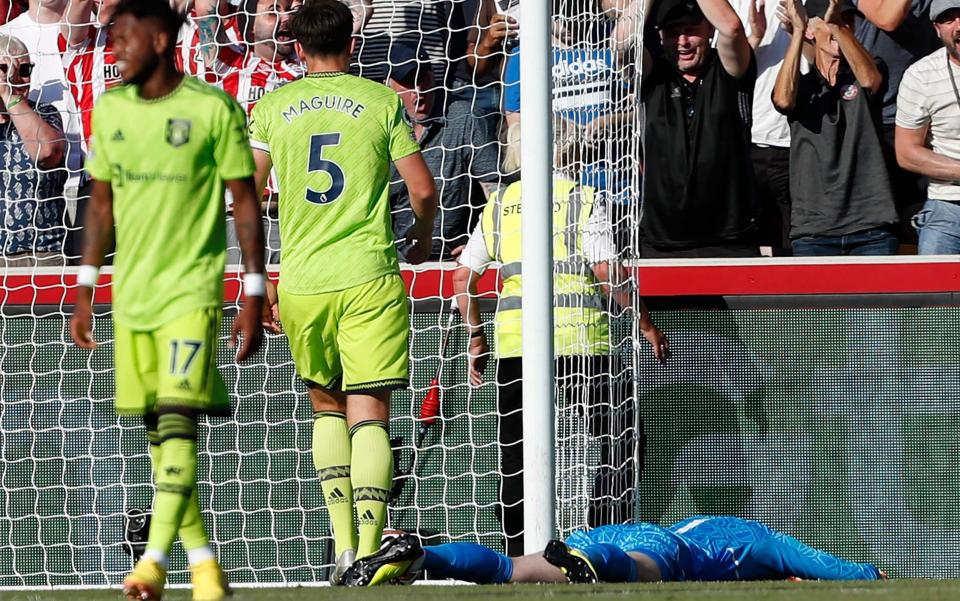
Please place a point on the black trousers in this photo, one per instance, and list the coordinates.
(771, 168)
(600, 388)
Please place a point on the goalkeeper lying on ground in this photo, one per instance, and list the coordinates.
(699, 548)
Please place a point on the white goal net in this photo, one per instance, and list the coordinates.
(70, 469)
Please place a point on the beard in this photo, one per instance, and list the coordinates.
(952, 50)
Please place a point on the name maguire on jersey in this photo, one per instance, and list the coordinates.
(347, 106)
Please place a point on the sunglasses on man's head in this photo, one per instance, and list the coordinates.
(24, 71)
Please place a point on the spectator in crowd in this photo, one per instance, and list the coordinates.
(437, 24)
(770, 133)
(587, 273)
(899, 33)
(928, 132)
(698, 178)
(31, 178)
(39, 28)
(842, 200)
(460, 150)
(493, 31)
(589, 90)
(247, 72)
(87, 50)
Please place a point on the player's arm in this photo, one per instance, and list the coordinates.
(257, 130)
(423, 200)
(264, 164)
(97, 237)
(249, 224)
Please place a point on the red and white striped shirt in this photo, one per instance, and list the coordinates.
(91, 70)
(91, 67)
(247, 77)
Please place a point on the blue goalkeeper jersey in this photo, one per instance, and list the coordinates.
(740, 549)
(724, 548)
(676, 557)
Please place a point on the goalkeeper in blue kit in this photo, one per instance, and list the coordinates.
(712, 548)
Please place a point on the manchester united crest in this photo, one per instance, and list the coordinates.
(178, 132)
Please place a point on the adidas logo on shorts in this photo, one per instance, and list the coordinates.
(184, 385)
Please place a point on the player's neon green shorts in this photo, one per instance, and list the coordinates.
(350, 340)
(173, 365)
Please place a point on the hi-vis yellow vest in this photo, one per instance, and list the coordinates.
(580, 321)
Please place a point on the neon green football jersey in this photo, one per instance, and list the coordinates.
(331, 138)
(166, 161)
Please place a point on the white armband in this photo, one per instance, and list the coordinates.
(254, 284)
(87, 275)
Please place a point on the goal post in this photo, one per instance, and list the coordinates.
(539, 435)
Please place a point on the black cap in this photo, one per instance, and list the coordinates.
(675, 10)
(818, 8)
(406, 57)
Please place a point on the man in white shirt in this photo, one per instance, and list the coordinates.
(770, 133)
(928, 132)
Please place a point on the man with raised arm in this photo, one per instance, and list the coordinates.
(698, 178)
(331, 137)
(842, 200)
(164, 147)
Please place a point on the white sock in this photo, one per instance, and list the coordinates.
(195, 556)
(158, 556)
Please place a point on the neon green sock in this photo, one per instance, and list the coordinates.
(176, 479)
(331, 457)
(192, 532)
(371, 471)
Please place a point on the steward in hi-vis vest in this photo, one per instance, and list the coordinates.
(588, 285)
(580, 319)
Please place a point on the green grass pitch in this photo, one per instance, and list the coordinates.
(905, 590)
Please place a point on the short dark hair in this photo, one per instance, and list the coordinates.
(160, 10)
(323, 27)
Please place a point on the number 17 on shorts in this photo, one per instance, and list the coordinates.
(174, 364)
